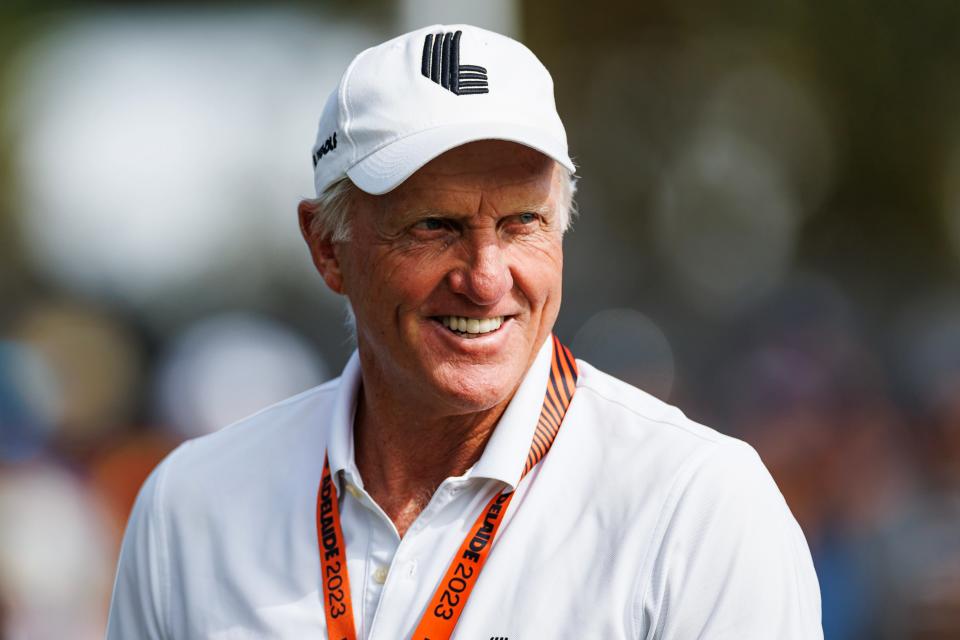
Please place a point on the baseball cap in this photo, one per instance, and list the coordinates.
(404, 102)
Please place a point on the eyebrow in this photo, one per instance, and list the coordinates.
(542, 208)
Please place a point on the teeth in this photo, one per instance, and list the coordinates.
(472, 325)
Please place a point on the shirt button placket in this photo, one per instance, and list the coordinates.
(396, 600)
(383, 551)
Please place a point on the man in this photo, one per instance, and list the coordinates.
(465, 476)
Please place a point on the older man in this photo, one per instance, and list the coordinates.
(465, 476)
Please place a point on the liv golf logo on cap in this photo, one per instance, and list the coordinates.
(441, 64)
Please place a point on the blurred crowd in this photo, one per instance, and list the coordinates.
(866, 452)
(741, 252)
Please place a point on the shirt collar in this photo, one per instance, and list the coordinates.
(340, 442)
(506, 452)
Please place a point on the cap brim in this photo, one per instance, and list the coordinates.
(384, 169)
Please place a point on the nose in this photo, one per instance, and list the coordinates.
(484, 277)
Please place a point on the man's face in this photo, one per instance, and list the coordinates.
(471, 238)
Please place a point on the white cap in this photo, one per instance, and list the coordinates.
(404, 102)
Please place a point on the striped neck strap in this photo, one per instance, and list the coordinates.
(442, 613)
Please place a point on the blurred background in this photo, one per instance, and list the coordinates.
(769, 237)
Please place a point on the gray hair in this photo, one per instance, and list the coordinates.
(330, 210)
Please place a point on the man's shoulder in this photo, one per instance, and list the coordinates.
(634, 416)
(654, 445)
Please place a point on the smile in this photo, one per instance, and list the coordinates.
(470, 327)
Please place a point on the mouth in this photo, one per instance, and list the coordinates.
(469, 328)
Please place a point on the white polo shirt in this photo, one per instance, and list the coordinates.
(638, 524)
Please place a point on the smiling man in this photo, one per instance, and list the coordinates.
(465, 476)
(454, 277)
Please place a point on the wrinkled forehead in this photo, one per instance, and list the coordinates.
(504, 174)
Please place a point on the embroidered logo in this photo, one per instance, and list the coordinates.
(441, 64)
(328, 145)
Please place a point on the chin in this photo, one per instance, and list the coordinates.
(473, 390)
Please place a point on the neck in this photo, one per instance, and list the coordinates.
(403, 455)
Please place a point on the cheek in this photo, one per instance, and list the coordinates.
(365, 285)
(393, 282)
(538, 272)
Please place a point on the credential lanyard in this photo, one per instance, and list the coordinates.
(447, 603)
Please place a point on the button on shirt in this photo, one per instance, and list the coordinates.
(639, 523)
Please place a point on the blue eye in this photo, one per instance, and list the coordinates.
(430, 224)
(527, 218)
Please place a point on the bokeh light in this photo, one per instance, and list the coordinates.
(928, 338)
(630, 346)
(782, 116)
(726, 223)
(155, 150)
(55, 561)
(94, 363)
(30, 402)
(227, 367)
(502, 16)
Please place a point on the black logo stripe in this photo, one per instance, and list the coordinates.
(445, 61)
(440, 63)
(455, 62)
(435, 64)
(427, 49)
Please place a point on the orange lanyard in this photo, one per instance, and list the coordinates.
(447, 603)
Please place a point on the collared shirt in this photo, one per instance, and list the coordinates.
(638, 524)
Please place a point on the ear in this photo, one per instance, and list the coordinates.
(323, 252)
